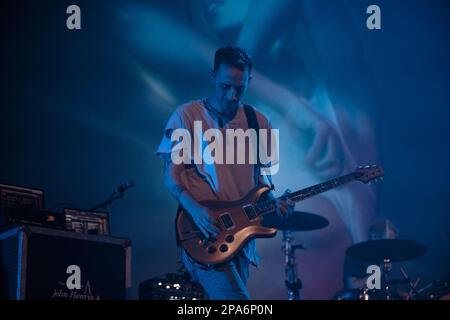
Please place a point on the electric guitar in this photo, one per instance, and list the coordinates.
(240, 221)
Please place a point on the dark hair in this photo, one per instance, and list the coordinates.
(233, 56)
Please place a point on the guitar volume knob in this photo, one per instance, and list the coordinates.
(229, 238)
(223, 248)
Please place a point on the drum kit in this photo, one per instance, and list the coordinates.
(381, 252)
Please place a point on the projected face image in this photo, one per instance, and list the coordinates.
(316, 140)
(222, 15)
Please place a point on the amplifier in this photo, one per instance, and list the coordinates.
(10, 216)
(21, 197)
(44, 263)
(21, 204)
(83, 221)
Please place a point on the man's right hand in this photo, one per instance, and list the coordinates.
(205, 223)
(201, 215)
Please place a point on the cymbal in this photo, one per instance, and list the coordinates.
(299, 221)
(394, 249)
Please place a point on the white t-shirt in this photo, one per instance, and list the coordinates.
(215, 181)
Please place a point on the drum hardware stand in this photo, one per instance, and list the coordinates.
(412, 292)
(293, 283)
(387, 267)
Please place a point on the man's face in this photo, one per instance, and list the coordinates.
(230, 85)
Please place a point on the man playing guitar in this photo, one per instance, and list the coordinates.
(190, 184)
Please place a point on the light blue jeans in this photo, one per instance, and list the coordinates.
(223, 282)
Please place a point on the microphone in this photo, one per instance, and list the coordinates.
(124, 186)
(116, 195)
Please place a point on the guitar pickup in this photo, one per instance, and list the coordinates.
(226, 220)
(250, 212)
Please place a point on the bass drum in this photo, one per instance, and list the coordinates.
(438, 290)
(441, 291)
(445, 297)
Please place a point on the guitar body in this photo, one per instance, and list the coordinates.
(237, 224)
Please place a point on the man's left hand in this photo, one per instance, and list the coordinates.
(285, 208)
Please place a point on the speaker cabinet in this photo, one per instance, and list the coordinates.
(44, 263)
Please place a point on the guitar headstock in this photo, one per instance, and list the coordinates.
(368, 173)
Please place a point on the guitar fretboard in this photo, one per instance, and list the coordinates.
(268, 206)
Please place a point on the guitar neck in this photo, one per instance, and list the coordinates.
(268, 206)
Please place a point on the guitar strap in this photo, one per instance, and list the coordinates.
(252, 121)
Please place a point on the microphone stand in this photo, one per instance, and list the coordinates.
(116, 195)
